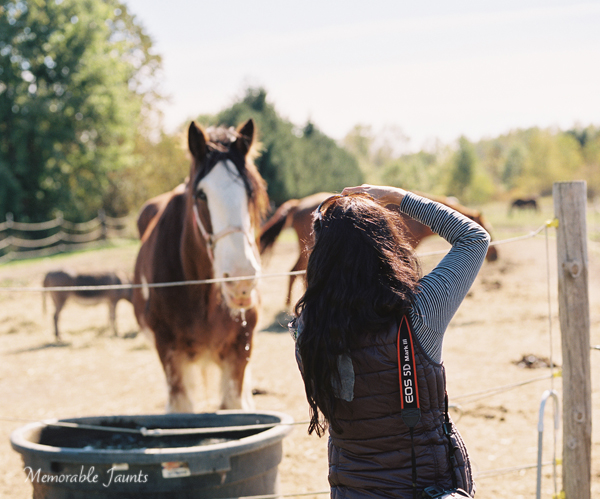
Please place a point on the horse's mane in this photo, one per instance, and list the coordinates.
(221, 139)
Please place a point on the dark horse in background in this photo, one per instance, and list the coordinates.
(205, 228)
(298, 214)
(523, 204)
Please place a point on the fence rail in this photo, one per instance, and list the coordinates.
(68, 236)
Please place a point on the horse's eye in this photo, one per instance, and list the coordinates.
(201, 195)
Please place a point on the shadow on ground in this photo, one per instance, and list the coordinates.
(279, 325)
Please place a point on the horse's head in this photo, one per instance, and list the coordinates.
(226, 197)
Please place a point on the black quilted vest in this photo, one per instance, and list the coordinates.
(371, 458)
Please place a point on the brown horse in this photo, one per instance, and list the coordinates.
(204, 229)
(298, 214)
(523, 204)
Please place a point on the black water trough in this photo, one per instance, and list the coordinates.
(230, 456)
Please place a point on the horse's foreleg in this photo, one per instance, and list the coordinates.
(112, 317)
(247, 399)
(179, 377)
(56, 333)
(59, 303)
(291, 285)
(236, 386)
(300, 265)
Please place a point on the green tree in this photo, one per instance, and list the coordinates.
(164, 163)
(278, 156)
(463, 168)
(513, 167)
(324, 165)
(359, 141)
(491, 159)
(76, 79)
(378, 153)
(418, 171)
(591, 157)
(552, 156)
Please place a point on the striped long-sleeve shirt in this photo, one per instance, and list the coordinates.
(441, 291)
(445, 287)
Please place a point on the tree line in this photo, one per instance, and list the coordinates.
(80, 129)
(520, 163)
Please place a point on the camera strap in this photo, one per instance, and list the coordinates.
(409, 390)
(409, 398)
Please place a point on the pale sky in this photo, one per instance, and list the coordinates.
(435, 69)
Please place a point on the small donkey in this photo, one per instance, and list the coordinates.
(61, 278)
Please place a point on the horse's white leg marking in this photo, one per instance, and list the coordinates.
(206, 372)
(230, 389)
(247, 399)
(179, 375)
(145, 288)
(204, 365)
(149, 335)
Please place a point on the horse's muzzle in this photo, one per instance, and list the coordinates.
(239, 294)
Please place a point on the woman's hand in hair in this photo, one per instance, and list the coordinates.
(384, 195)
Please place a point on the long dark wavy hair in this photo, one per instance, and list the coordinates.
(362, 274)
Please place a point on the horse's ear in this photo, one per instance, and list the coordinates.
(246, 132)
(196, 141)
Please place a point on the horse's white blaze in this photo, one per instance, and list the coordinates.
(235, 254)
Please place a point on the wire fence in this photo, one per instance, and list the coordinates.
(231, 279)
(19, 240)
(464, 398)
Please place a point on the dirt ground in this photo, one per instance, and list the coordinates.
(504, 318)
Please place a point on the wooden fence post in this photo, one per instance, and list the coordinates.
(103, 228)
(573, 306)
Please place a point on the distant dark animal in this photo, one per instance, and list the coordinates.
(63, 278)
(524, 204)
(203, 229)
(298, 214)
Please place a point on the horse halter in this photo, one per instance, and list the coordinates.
(211, 239)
